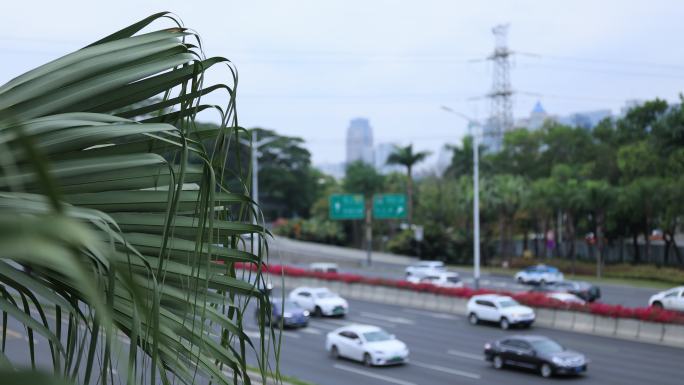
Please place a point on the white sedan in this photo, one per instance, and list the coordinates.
(368, 344)
(424, 268)
(567, 298)
(539, 274)
(672, 299)
(442, 279)
(319, 301)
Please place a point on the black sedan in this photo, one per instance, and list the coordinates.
(584, 290)
(537, 353)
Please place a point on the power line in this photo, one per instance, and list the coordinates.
(603, 61)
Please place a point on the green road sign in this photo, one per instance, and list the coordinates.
(389, 206)
(347, 206)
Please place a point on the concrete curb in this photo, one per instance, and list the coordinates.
(623, 328)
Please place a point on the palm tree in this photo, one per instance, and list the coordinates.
(119, 235)
(406, 157)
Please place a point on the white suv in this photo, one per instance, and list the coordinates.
(501, 309)
(672, 299)
(424, 268)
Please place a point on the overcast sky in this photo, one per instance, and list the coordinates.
(307, 67)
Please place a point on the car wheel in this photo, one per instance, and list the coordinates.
(497, 362)
(318, 312)
(367, 360)
(546, 370)
(334, 353)
(505, 325)
(472, 318)
(657, 304)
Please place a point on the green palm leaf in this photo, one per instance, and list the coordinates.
(113, 215)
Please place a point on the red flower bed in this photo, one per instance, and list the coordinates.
(538, 300)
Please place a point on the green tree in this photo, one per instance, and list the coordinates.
(406, 157)
(361, 178)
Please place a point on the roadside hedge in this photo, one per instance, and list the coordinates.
(537, 300)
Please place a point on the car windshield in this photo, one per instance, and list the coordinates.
(290, 306)
(377, 336)
(547, 346)
(508, 303)
(325, 294)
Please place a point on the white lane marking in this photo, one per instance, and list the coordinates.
(12, 334)
(256, 335)
(324, 326)
(364, 320)
(372, 375)
(397, 320)
(336, 322)
(310, 330)
(461, 354)
(438, 368)
(432, 314)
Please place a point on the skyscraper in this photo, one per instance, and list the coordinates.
(382, 153)
(360, 141)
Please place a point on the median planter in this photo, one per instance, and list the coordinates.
(645, 324)
(584, 322)
(605, 325)
(627, 328)
(651, 332)
(673, 335)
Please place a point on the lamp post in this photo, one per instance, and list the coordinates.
(472, 125)
(254, 145)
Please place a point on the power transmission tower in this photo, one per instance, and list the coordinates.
(501, 118)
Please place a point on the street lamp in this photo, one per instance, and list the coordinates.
(472, 124)
(255, 144)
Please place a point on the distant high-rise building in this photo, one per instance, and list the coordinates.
(585, 119)
(382, 153)
(536, 120)
(360, 141)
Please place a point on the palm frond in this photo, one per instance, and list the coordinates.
(101, 237)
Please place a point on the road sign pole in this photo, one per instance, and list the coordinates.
(476, 211)
(369, 234)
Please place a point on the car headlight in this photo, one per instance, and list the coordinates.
(306, 313)
(557, 361)
(379, 352)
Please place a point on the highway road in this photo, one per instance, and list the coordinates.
(391, 266)
(445, 349)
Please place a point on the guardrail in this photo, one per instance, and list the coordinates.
(671, 334)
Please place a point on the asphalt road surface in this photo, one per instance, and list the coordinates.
(445, 349)
(390, 266)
